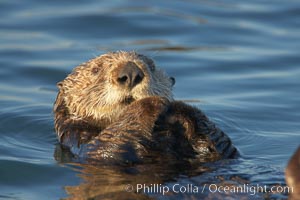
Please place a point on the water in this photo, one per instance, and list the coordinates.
(236, 60)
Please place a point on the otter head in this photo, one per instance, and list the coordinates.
(98, 90)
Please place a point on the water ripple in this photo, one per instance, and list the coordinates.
(238, 61)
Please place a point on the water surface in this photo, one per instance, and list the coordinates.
(238, 61)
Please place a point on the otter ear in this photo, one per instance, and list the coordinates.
(173, 81)
(59, 84)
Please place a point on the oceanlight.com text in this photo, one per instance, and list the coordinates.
(211, 188)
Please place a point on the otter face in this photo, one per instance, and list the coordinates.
(101, 88)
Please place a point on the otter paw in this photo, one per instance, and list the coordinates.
(153, 103)
(145, 111)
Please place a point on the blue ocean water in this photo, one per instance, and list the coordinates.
(238, 61)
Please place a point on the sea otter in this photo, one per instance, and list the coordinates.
(119, 108)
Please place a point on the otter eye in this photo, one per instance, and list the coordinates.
(152, 67)
(95, 70)
(148, 61)
(151, 64)
(172, 80)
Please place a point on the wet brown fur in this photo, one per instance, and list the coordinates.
(99, 121)
(293, 175)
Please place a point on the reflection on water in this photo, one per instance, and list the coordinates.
(238, 61)
(171, 180)
(104, 181)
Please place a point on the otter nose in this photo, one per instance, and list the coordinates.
(130, 75)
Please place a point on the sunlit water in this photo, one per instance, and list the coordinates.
(238, 61)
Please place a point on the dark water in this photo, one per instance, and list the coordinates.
(238, 59)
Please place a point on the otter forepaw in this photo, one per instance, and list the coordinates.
(153, 104)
